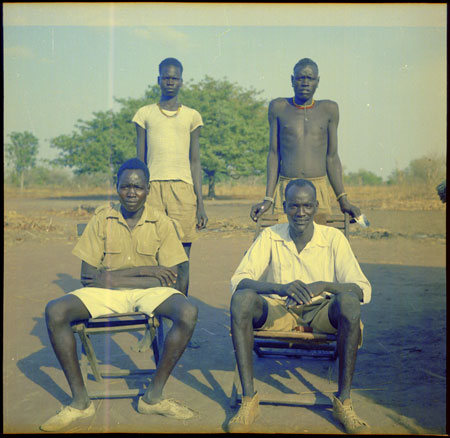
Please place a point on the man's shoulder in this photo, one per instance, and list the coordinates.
(328, 234)
(279, 102)
(107, 209)
(276, 232)
(327, 104)
(189, 109)
(148, 108)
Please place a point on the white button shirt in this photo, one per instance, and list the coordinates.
(273, 257)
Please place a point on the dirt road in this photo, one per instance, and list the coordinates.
(400, 380)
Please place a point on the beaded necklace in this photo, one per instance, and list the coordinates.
(303, 106)
(167, 115)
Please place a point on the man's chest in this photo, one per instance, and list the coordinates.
(298, 122)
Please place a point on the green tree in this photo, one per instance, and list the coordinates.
(362, 178)
(233, 142)
(22, 153)
(234, 138)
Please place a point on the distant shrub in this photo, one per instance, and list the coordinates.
(362, 178)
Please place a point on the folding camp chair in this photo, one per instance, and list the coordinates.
(110, 324)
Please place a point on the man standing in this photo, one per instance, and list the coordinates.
(303, 144)
(311, 278)
(168, 141)
(130, 254)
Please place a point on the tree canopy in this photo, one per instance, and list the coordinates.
(22, 152)
(233, 141)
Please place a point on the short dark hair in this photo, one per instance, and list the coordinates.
(304, 62)
(133, 164)
(170, 61)
(300, 183)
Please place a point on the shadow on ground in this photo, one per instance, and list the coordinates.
(398, 366)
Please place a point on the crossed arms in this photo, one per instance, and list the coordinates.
(141, 277)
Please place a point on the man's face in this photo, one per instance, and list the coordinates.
(305, 81)
(170, 80)
(132, 190)
(300, 207)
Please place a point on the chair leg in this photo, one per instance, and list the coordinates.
(144, 344)
(90, 353)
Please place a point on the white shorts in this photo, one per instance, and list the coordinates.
(101, 301)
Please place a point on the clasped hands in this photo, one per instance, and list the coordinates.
(299, 293)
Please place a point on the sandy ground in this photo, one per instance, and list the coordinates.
(400, 378)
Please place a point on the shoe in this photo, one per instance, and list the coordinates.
(343, 412)
(247, 414)
(65, 416)
(167, 407)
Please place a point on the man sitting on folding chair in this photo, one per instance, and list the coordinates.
(130, 255)
(295, 274)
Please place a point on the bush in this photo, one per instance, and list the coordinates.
(362, 178)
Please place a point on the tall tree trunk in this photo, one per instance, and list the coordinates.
(211, 184)
(22, 177)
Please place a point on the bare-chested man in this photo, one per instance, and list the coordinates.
(303, 144)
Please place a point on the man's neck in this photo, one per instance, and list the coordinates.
(297, 101)
(169, 103)
(131, 217)
(301, 239)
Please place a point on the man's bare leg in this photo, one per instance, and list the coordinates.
(59, 314)
(184, 317)
(345, 314)
(246, 309)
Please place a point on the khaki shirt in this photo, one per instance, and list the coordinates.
(274, 258)
(107, 243)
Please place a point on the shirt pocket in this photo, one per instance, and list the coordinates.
(112, 258)
(147, 251)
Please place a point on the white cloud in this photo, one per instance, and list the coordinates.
(163, 34)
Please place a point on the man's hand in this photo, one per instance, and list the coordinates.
(346, 207)
(167, 276)
(258, 209)
(300, 293)
(202, 219)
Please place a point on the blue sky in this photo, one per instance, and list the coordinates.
(384, 64)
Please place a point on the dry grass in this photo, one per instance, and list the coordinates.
(395, 197)
(44, 192)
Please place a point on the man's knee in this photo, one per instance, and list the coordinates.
(188, 314)
(179, 310)
(56, 314)
(348, 306)
(64, 310)
(244, 303)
